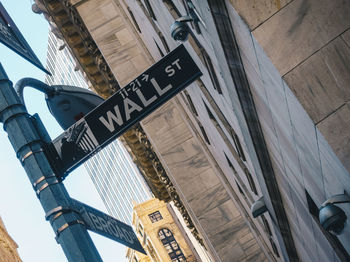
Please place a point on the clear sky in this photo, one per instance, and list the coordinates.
(19, 207)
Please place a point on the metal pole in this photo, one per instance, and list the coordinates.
(25, 134)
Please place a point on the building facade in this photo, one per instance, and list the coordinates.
(266, 123)
(115, 176)
(162, 235)
(8, 247)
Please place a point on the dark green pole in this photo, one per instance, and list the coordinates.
(26, 135)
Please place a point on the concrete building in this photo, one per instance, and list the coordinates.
(8, 247)
(268, 120)
(115, 176)
(163, 235)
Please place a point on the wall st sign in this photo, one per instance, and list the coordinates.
(125, 108)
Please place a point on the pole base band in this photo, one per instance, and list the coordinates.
(66, 225)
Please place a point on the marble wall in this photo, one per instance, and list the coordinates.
(308, 42)
(301, 156)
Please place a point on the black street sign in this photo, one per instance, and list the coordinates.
(107, 226)
(126, 107)
(13, 39)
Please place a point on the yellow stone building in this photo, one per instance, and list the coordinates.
(8, 247)
(161, 235)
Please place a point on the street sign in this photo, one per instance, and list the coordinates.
(13, 39)
(126, 107)
(107, 226)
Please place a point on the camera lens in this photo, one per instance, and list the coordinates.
(332, 219)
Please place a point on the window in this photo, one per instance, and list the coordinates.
(159, 50)
(190, 102)
(210, 114)
(238, 145)
(134, 20)
(230, 164)
(155, 216)
(141, 230)
(313, 209)
(204, 133)
(240, 189)
(165, 44)
(274, 248)
(266, 225)
(171, 246)
(211, 70)
(150, 10)
(250, 181)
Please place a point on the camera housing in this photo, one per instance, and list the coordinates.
(332, 219)
(179, 29)
(258, 207)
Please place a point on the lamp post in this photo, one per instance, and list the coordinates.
(29, 138)
(66, 103)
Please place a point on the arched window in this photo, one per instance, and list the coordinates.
(171, 246)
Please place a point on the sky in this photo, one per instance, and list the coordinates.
(20, 209)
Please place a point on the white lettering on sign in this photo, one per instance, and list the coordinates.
(170, 70)
(129, 110)
(159, 90)
(144, 101)
(130, 106)
(111, 118)
(109, 226)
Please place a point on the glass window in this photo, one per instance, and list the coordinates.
(150, 10)
(250, 181)
(190, 102)
(141, 230)
(134, 20)
(230, 164)
(159, 50)
(205, 136)
(240, 189)
(238, 145)
(155, 216)
(266, 225)
(171, 245)
(274, 248)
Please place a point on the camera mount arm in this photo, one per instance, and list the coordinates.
(185, 19)
(337, 199)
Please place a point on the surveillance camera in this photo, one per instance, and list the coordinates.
(258, 207)
(180, 30)
(332, 218)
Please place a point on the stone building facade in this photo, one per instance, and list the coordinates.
(269, 117)
(8, 247)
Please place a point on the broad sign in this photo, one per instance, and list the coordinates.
(13, 39)
(107, 226)
(128, 106)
